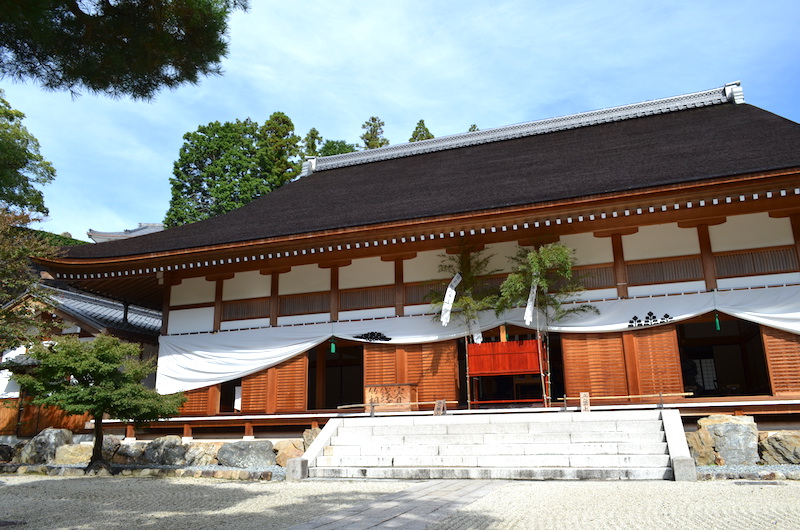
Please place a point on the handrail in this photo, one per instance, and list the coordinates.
(660, 396)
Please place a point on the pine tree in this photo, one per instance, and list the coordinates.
(421, 132)
(373, 133)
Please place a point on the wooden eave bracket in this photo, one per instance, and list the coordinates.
(334, 264)
(538, 241)
(616, 231)
(399, 257)
(709, 221)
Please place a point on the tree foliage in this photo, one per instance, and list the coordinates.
(115, 47)
(336, 147)
(473, 295)
(312, 143)
(549, 269)
(473, 128)
(98, 377)
(420, 133)
(373, 133)
(22, 167)
(19, 322)
(223, 166)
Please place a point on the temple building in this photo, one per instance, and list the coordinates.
(683, 214)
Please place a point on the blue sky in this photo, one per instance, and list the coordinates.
(332, 65)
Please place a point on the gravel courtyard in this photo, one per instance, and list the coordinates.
(115, 503)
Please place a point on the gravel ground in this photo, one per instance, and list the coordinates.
(117, 503)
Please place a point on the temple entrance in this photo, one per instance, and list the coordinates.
(335, 375)
(722, 356)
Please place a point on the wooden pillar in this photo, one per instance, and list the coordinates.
(334, 298)
(399, 289)
(248, 430)
(165, 310)
(795, 220)
(274, 299)
(187, 430)
(620, 270)
(218, 304)
(707, 258)
(130, 431)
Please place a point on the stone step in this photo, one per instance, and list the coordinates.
(485, 473)
(601, 448)
(345, 438)
(554, 416)
(505, 461)
(391, 430)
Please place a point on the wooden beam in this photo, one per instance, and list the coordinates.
(218, 304)
(274, 299)
(334, 294)
(399, 289)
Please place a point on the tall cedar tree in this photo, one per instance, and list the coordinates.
(223, 166)
(103, 376)
(115, 47)
(420, 133)
(312, 143)
(373, 133)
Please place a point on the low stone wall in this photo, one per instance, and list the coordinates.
(52, 452)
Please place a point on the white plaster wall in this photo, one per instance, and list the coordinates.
(358, 314)
(191, 320)
(369, 272)
(304, 279)
(667, 288)
(193, 291)
(424, 267)
(660, 241)
(755, 230)
(501, 252)
(759, 281)
(250, 284)
(589, 250)
(304, 319)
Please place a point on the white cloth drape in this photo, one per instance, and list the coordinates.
(186, 362)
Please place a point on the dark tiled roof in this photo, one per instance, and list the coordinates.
(102, 313)
(671, 148)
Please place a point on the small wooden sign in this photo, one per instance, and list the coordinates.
(440, 408)
(585, 406)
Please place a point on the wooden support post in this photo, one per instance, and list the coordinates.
(314, 424)
(187, 431)
(248, 431)
(130, 432)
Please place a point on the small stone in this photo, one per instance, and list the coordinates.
(771, 475)
(793, 475)
(73, 472)
(126, 473)
(265, 475)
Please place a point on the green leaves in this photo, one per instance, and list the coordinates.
(119, 48)
(421, 132)
(22, 167)
(98, 377)
(474, 294)
(223, 166)
(373, 133)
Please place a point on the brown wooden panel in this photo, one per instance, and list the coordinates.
(8, 416)
(665, 270)
(291, 381)
(504, 358)
(418, 293)
(782, 350)
(434, 369)
(34, 419)
(594, 363)
(657, 360)
(367, 298)
(756, 261)
(595, 276)
(254, 392)
(196, 402)
(245, 309)
(380, 364)
(303, 304)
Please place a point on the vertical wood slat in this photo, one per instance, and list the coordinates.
(291, 382)
(196, 402)
(254, 393)
(782, 350)
(436, 367)
(594, 363)
(380, 364)
(657, 360)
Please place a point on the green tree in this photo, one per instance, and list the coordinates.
(373, 133)
(279, 151)
(217, 171)
(99, 377)
(421, 132)
(312, 143)
(115, 47)
(336, 147)
(473, 128)
(19, 322)
(22, 167)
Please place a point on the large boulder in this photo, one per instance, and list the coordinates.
(247, 455)
(701, 448)
(782, 447)
(202, 453)
(735, 438)
(42, 447)
(73, 454)
(166, 451)
(129, 453)
(286, 449)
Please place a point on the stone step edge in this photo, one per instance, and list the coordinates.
(534, 473)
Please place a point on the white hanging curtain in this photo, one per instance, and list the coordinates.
(187, 362)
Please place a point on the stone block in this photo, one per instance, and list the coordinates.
(296, 469)
(167, 450)
(247, 454)
(683, 469)
(73, 454)
(735, 438)
(782, 447)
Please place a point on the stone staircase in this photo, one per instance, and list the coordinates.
(607, 445)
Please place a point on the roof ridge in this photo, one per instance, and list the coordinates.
(730, 93)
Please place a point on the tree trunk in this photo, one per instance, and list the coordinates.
(98, 462)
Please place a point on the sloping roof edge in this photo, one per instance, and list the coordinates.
(730, 93)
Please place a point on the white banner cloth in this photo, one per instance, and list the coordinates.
(186, 362)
